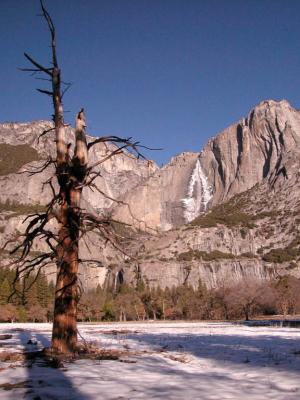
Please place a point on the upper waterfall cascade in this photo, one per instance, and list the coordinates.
(199, 194)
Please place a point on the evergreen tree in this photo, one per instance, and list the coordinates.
(43, 291)
(5, 291)
(30, 290)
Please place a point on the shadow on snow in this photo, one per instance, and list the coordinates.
(257, 351)
(44, 381)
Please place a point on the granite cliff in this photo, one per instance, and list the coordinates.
(228, 212)
(23, 149)
(261, 147)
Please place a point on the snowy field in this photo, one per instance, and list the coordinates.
(163, 361)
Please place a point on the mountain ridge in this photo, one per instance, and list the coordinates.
(227, 212)
(255, 148)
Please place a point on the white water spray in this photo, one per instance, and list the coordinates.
(199, 194)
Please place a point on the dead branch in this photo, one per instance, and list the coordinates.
(47, 92)
(39, 67)
(38, 169)
(45, 133)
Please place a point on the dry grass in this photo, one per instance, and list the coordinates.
(12, 158)
(11, 356)
(178, 358)
(235, 212)
(5, 337)
(116, 332)
(279, 255)
(19, 385)
(203, 255)
(21, 209)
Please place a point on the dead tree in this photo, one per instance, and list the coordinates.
(73, 173)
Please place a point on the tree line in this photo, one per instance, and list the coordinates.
(246, 299)
(28, 300)
(34, 297)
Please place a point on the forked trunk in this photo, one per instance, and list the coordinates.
(64, 334)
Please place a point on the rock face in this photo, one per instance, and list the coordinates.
(118, 174)
(261, 147)
(158, 202)
(22, 193)
(228, 212)
(253, 236)
(256, 148)
(252, 168)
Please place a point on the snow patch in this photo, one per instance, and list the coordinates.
(169, 361)
(199, 194)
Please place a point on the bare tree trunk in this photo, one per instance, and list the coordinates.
(246, 312)
(137, 313)
(64, 335)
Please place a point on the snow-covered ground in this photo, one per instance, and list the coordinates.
(166, 361)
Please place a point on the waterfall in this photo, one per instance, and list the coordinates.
(199, 194)
(116, 282)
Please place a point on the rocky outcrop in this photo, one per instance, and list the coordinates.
(253, 236)
(117, 175)
(256, 148)
(158, 204)
(262, 147)
(228, 212)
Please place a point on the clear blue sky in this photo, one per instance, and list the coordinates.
(170, 73)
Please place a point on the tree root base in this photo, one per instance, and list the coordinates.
(55, 359)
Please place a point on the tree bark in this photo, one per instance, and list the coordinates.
(71, 178)
(70, 175)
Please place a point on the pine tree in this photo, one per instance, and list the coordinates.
(30, 290)
(5, 291)
(43, 291)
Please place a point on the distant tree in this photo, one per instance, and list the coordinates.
(30, 289)
(287, 294)
(8, 313)
(5, 291)
(21, 314)
(246, 297)
(127, 303)
(45, 292)
(108, 311)
(91, 304)
(37, 313)
(222, 300)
